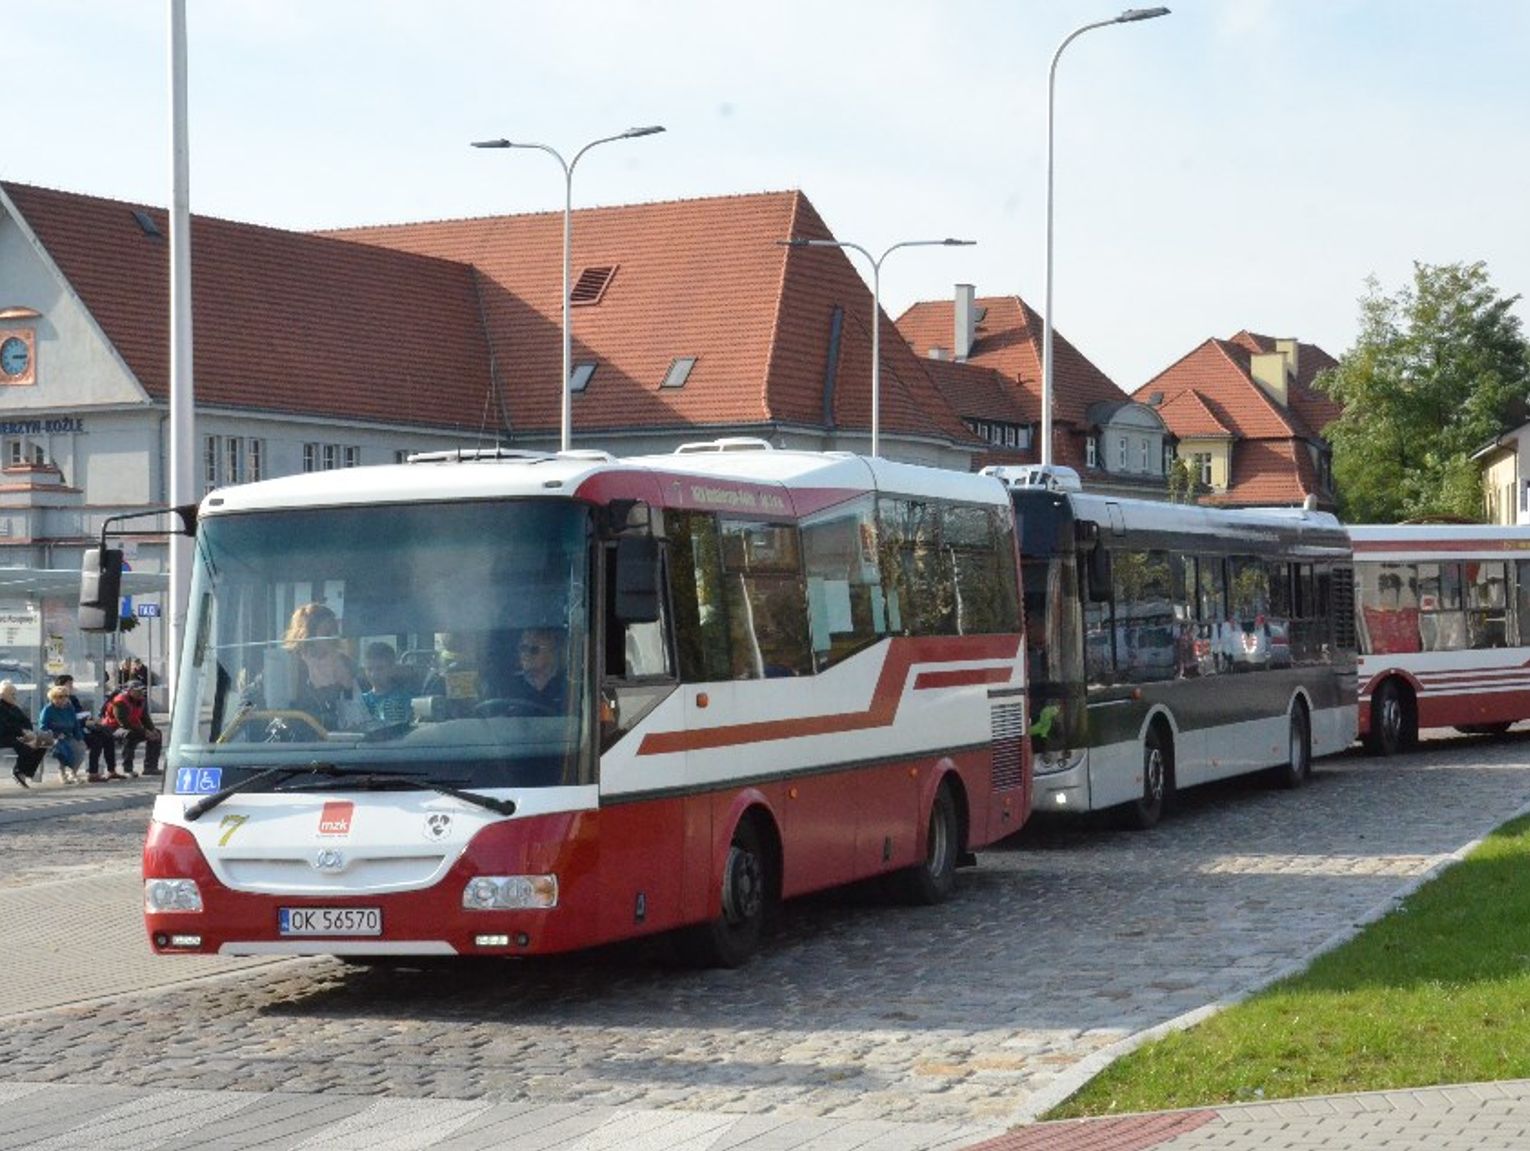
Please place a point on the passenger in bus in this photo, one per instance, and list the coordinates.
(390, 698)
(542, 681)
(327, 687)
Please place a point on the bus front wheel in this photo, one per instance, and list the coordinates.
(734, 936)
(1157, 781)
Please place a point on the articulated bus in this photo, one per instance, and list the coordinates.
(780, 671)
(1172, 645)
(1444, 621)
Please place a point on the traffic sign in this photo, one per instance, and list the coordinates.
(148, 610)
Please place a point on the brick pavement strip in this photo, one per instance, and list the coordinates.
(957, 1018)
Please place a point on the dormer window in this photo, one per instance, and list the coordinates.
(679, 372)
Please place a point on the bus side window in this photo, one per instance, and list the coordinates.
(1522, 601)
(846, 607)
(701, 623)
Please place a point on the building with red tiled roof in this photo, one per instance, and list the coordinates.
(776, 340)
(984, 353)
(1247, 417)
(692, 320)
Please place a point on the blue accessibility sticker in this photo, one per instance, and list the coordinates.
(198, 780)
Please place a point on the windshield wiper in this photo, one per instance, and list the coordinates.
(202, 806)
(367, 778)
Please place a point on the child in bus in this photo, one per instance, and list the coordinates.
(390, 698)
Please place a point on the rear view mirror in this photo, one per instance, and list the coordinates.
(100, 589)
(637, 579)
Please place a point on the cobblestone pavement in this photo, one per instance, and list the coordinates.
(1060, 944)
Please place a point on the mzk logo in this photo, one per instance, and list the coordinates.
(335, 819)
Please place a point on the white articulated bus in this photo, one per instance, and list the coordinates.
(1444, 621)
(781, 671)
(1171, 645)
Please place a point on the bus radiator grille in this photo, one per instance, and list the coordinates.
(1008, 725)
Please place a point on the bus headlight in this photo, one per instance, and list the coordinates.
(510, 892)
(161, 895)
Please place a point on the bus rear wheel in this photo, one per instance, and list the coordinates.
(933, 880)
(1394, 727)
(1157, 782)
(734, 936)
(1298, 766)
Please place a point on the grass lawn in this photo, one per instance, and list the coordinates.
(1436, 992)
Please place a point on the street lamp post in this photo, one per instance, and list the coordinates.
(876, 309)
(1130, 16)
(567, 405)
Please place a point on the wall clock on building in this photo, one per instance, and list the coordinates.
(18, 356)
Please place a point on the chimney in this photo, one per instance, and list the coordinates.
(1290, 349)
(966, 321)
(1269, 372)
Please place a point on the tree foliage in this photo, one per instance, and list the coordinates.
(1438, 371)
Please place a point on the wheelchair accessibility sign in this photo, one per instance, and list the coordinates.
(198, 780)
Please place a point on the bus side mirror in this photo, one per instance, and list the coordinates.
(100, 589)
(637, 579)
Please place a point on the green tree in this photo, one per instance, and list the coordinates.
(1439, 370)
(1182, 482)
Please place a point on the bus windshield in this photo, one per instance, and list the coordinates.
(445, 642)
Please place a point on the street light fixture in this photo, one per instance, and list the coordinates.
(1130, 16)
(568, 212)
(876, 308)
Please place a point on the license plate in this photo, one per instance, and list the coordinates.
(329, 921)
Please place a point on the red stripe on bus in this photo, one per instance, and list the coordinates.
(902, 655)
(963, 678)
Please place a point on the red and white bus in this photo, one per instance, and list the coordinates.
(1444, 617)
(781, 671)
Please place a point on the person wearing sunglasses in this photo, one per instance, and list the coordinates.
(541, 682)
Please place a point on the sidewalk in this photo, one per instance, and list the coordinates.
(52, 797)
(1484, 1117)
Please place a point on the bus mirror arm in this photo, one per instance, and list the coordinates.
(101, 570)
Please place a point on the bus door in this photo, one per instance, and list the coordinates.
(643, 848)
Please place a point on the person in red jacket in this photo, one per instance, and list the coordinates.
(128, 712)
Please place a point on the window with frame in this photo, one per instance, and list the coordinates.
(1147, 632)
(310, 457)
(351, 456)
(1144, 453)
(1200, 468)
(847, 610)
(766, 599)
(1121, 452)
(1092, 451)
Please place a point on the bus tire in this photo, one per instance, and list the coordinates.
(1298, 766)
(1143, 813)
(734, 936)
(933, 880)
(1394, 724)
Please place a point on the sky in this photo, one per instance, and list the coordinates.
(1235, 164)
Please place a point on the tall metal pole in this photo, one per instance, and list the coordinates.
(1130, 16)
(876, 309)
(566, 405)
(182, 392)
